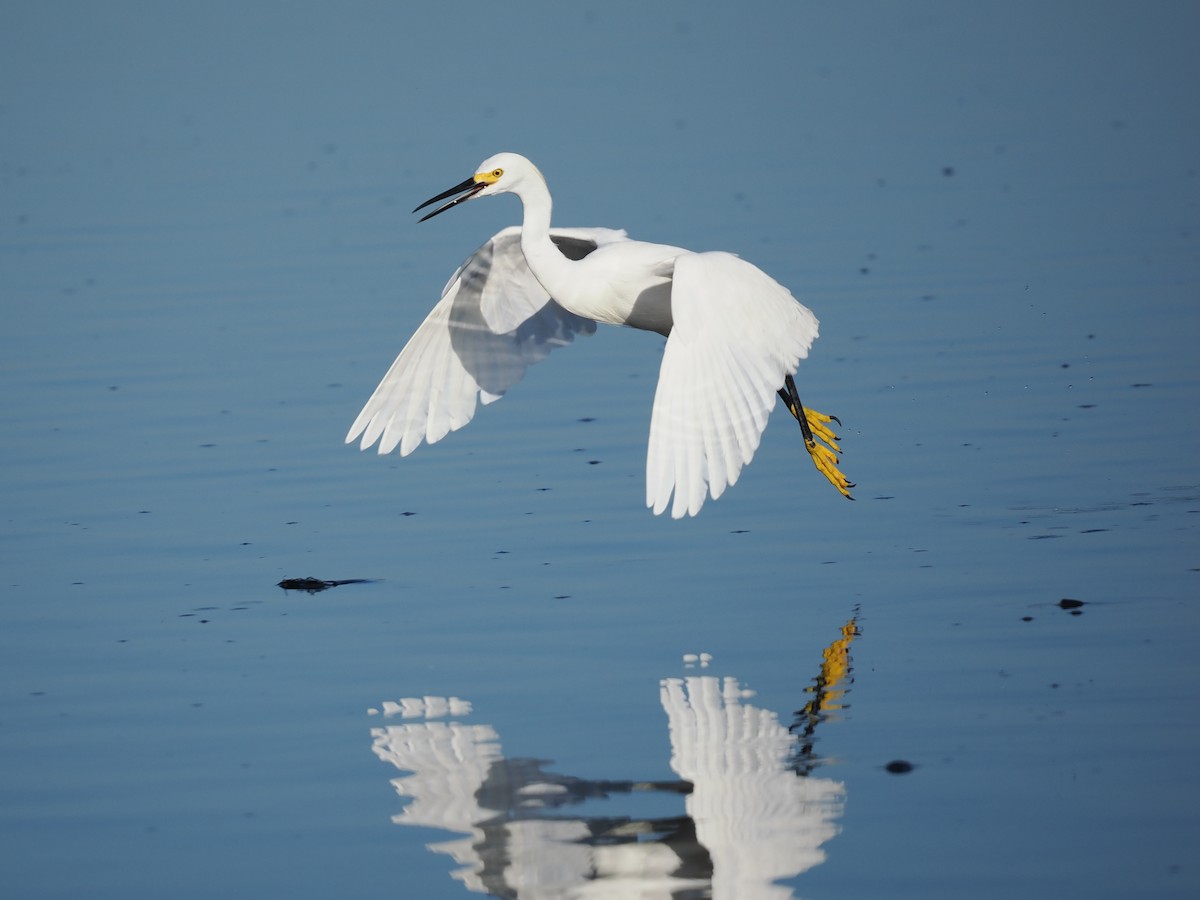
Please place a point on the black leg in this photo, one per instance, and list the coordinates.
(825, 460)
(792, 400)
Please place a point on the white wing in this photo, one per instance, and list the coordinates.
(737, 333)
(494, 321)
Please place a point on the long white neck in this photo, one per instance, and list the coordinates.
(549, 266)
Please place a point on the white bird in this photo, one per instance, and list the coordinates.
(734, 337)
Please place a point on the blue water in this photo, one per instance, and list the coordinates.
(207, 263)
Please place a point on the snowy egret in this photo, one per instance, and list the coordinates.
(734, 339)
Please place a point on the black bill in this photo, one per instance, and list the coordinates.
(471, 186)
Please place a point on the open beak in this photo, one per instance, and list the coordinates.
(470, 186)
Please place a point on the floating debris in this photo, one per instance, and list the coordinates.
(315, 585)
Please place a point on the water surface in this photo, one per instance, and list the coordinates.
(206, 264)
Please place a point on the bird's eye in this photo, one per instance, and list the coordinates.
(496, 173)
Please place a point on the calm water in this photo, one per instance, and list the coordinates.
(206, 264)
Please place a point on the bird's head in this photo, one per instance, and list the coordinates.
(497, 174)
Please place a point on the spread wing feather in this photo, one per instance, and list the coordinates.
(737, 332)
(494, 320)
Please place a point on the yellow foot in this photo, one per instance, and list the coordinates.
(825, 457)
(818, 423)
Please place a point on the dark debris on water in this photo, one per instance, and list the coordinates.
(1074, 607)
(315, 585)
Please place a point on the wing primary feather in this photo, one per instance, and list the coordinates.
(736, 334)
(493, 321)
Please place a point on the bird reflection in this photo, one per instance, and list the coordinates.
(753, 812)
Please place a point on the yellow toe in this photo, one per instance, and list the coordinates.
(818, 424)
(826, 457)
(826, 462)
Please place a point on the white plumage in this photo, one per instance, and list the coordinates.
(734, 337)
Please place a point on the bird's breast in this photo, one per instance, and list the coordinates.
(625, 284)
